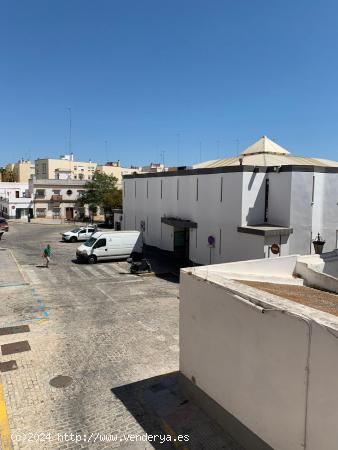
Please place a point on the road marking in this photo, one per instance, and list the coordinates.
(92, 271)
(52, 277)
(79, 272)
(18, 265)
(13, 285)
(119, 269)
(33, 278)
(5, 432)
(108, 270)
(105, 293)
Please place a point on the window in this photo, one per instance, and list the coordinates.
(90, 242)
(221, 199)
(82, 231)
(44, 168)
(17, 194)
(161, 188)
(100, 243)
(56, 213)
(197, 190)
(40, 212)
(69, 192)
(40, 193)
(177, 188)
(56, 191)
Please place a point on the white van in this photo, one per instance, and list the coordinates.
(110, 245)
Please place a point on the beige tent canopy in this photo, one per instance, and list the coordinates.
(266, 152)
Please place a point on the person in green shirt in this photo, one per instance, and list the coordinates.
(46, 254)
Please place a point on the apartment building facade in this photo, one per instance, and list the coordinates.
(21, 171)
(64, 168)
(56, 199)
(114, 169)
(15, 201)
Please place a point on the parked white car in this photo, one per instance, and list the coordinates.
(110, 245)
(78, 234)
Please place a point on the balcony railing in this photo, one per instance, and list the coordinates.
(56, 198)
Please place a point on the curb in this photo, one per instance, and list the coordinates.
(18, 266)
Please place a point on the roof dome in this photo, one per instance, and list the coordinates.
(265, 145)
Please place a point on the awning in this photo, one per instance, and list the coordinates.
(178, 223)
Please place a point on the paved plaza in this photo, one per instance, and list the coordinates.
(95, 352)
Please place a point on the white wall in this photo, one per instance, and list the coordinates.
(253, 198)
(279, 198)
(243, 201)
(8, 190)
(307, 218)
(215, 215)
(255, 365)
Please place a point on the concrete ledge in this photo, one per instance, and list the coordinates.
(265, 230)
(227, 421)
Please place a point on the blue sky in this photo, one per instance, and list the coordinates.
(189, 78)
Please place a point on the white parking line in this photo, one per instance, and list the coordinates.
(109, 270)
(119, 268)
(33, 278)
(78, 272)
(93, 272)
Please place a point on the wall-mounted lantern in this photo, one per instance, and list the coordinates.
(318, 244)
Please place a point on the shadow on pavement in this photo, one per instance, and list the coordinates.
(161, 408)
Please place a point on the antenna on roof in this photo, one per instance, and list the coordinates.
(70, 130)
(106, 149)
(178, 148)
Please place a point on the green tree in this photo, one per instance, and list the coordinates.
(7, 174)
(101, 192)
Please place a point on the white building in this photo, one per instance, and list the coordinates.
(259, 355)
(15, 201)
(56, 199)
(248, 207)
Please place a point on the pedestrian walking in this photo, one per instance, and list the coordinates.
(47, 254)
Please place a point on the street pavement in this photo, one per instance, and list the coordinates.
(95, 354)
